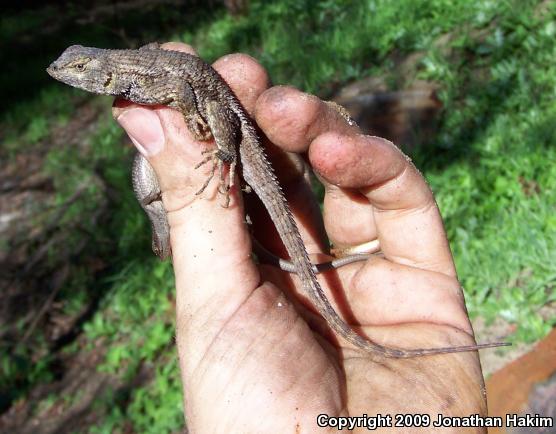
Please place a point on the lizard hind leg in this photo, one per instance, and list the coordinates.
(186, 102)
(147, 191)
(226, 130)
(219, 158)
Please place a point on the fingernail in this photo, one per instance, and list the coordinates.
(144, 129)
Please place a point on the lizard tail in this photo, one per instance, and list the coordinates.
(344, 330)
(259, 174)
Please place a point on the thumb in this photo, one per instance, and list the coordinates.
(210, 244)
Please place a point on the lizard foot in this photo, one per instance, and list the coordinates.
(215, 156)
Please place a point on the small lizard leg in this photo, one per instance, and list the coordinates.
(226, 129)
(218, 160)
(211, 175)
(206, 159)
(227, 185)
(147, 191)
(186, 102)
(231, 174)
(150, 46)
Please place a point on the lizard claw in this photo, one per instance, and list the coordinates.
(224, 186)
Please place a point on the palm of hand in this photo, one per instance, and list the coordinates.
(250, 361)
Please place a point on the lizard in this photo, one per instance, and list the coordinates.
(151, 75)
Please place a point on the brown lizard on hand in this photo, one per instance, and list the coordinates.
(186, 83)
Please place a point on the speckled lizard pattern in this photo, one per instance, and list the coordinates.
(186, 83)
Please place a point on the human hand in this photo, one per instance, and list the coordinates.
(254, 355)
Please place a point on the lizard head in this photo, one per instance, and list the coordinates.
(82, 67)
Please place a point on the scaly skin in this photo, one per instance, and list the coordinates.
(210, 108)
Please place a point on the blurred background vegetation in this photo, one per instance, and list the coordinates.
(86, 311)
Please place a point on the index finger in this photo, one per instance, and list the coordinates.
(372, 189)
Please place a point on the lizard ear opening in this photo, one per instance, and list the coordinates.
(108, 80)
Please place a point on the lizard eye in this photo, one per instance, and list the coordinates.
(79, 64)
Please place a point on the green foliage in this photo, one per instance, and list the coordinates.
(18, 370)
(159, 406)
(492, 163)
(93, 164)
(316, 44)
(30, 121)
(153, 408)
(135, 323)
(491, 167)
(141, 296)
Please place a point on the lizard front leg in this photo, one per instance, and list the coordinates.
(185, 101)
(221, 124)
(145, 183)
